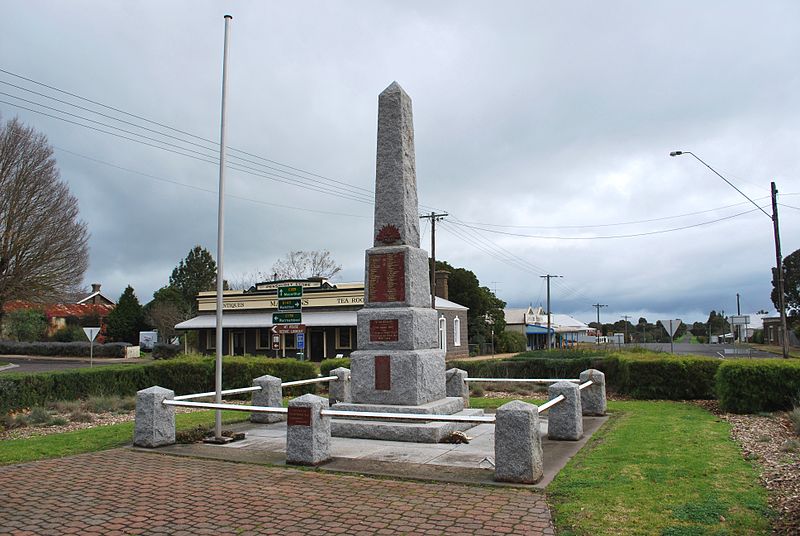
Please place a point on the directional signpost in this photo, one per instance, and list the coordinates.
(671, 326)
(91, 333)
(290, 305)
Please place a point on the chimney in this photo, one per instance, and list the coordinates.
(441, 284)
(95, 287)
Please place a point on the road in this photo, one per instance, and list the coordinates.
(712, 350)
(49, 364)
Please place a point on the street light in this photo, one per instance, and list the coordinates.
(777, 235)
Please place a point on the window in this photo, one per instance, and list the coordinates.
(289, 340)
(443, 333)
(263, 340)
(456, 331)
(343, 339)
(211, 339)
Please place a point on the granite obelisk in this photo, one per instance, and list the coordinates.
(399, 361)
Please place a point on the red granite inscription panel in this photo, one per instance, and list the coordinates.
(387, 277)
(383, 330)
(383, 373)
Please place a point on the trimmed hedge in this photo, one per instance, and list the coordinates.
(758, 385)
(166, 351)
(184, 376)
(327, 365)
(63, 349)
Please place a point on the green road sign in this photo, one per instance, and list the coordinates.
(292, 304)
(290, 291)
(286, 318)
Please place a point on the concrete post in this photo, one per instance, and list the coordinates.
(517, 445)
(339, 389)
(271, 396)
(155, 422)
(593, 398)
(565, 420)
(308, 433)
(456, 384)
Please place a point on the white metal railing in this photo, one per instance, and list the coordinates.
(550, 403)
(232, 407)
(522, 380)
(585, 384)
(255, 388)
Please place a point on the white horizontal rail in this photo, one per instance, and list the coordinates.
(522, 380)
(550, 403)
(312, 380)
(585, 384)
(408, 416)
(232, 407)
(225, 392)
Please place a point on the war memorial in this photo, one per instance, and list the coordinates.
(397, 400)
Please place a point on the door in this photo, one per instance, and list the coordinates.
(237, 343)
(317, 350)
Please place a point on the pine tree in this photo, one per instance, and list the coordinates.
(127, 319)
(196, 273)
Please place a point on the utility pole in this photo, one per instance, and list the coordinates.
(779, 270)
(549, 336)
(599, 325)
(625, 318)
(738, 313)
(434, 218)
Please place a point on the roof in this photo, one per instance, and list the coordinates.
(515, 316)
(561, 323)
(441, 303)
(92, 295)
(61, 310)
(264, 320)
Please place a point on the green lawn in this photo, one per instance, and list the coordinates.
(94, 439)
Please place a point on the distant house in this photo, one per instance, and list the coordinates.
(532, 322)
(96, 297)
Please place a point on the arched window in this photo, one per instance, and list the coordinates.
(443, 333)
(456, 331)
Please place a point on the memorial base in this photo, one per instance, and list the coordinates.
(409, 431)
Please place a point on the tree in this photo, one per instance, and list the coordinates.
(26, 325)
(305, 264)
(43, 244)
(791, 283)
(196, 273)
(485, 309)
(127, 319)
(166, 309)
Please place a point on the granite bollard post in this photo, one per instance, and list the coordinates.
(155, 422)
(339, 389)
(565, 419)
(271, 396)
(308, 433)
(517, 444)
(456, 384)
(593, 398)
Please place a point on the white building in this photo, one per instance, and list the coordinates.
(532, 322)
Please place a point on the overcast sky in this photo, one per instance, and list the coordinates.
(531, 118)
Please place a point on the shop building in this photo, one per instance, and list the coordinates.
(565, 331)
(328, 319)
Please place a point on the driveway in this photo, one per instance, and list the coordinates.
(121, 492)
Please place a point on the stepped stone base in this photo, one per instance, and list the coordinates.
(411, 431)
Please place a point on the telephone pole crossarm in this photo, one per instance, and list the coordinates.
(434, 217)
(599, 326)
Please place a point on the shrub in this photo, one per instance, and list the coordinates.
(166, 351)
(26, 324)
(511, 341)
(672, 378)
(57, 421)
(81, 416)
(327, 365)
(70, 333)
(758, 385)
(101, 404)
(64, 349)
(39, 415)
(184, 376)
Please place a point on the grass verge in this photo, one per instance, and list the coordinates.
(94, 439)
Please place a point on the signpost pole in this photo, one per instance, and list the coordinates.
(91, 354)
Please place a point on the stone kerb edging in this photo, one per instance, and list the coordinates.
(565, 419)
(339, 389)
(517, 444)
(154, 424)
(593, 398)
(270, 395)
(308, 432)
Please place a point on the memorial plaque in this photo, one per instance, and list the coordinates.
(383, 330)
(383, 373)
(387, 277)
(299, 416)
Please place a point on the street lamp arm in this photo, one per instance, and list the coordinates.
(679, 153)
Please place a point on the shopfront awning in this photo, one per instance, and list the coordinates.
(532, 329)
(264, 320)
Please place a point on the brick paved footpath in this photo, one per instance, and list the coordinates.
(121, 491)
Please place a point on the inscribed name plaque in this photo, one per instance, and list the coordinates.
(298, 416)
(383, 330)
(383, 373)
(387, 277)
